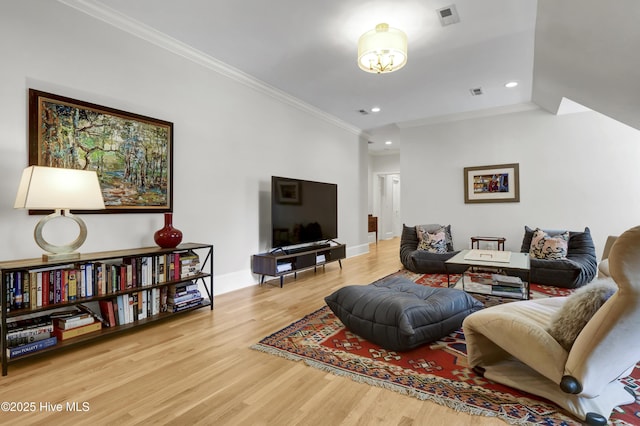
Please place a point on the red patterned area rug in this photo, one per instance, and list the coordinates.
(436, 372)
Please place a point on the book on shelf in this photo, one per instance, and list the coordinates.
(321, 258)
(27, 323)
(183, 296)
(93, 309)
(31, 347)
(63, 334)
(74, 322)
(520, 294)
(197, 301)
(106, 309)
(284, 267)
(30, 336)
(507, 280)
(71, 279)
(28, 330)
(64, 313)
(189, 264)
(506, 288)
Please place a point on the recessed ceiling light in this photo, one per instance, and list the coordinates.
(375, 109)
(388, 143)
(511, 84)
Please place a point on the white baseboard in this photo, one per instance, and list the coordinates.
(233, 281)
(357, 250)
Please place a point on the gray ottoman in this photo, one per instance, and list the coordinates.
(400, 315)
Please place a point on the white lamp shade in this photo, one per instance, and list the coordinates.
(383, 49)
(45, 188)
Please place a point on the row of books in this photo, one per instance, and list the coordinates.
(28, 335)
(67, 283)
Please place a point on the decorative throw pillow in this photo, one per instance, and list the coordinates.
(544, 246)
(576, 312)
(433, 243)
(434, 229)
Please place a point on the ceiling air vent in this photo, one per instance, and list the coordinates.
(448, 15)
(363, 112)
(476, 92)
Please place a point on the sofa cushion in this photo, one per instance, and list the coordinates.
(545, 246)
(398, 314)
(566, 323)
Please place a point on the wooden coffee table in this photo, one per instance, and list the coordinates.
(497, 268)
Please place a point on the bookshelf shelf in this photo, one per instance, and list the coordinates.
(154, 284)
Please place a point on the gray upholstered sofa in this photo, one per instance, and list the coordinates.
(579, 268)
(422, 261)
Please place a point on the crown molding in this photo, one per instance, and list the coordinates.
(488, 112)
(138, 29)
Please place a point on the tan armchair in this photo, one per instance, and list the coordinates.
(603, 266)
(510, 344)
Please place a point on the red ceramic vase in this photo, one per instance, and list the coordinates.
(168, 237)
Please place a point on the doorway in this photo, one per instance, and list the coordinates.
(387, 204)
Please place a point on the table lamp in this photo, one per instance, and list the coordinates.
(46, 188)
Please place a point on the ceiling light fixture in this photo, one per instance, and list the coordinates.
(511, 84)
(388, 143)
(375, 109)
(382, 50)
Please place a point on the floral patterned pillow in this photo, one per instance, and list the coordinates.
(544, 246)
(433, 243)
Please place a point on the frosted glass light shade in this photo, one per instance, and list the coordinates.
(55, 188)
(382, 50)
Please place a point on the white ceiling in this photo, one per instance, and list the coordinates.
(308, 51)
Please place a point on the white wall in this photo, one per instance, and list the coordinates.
(576, 170)
(228, 138)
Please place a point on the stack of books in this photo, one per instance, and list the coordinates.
(189, 264)
(183, 296)
(25, 336)
(67, 325)
(504, 285)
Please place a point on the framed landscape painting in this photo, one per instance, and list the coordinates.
(132, 154)
(492, 184)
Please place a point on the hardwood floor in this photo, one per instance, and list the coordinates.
(198, 368)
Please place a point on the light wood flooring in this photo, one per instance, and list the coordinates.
(198, 368)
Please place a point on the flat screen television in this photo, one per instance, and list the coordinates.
(302, 211)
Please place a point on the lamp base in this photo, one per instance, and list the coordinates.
(64, 252)
(52, 257)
